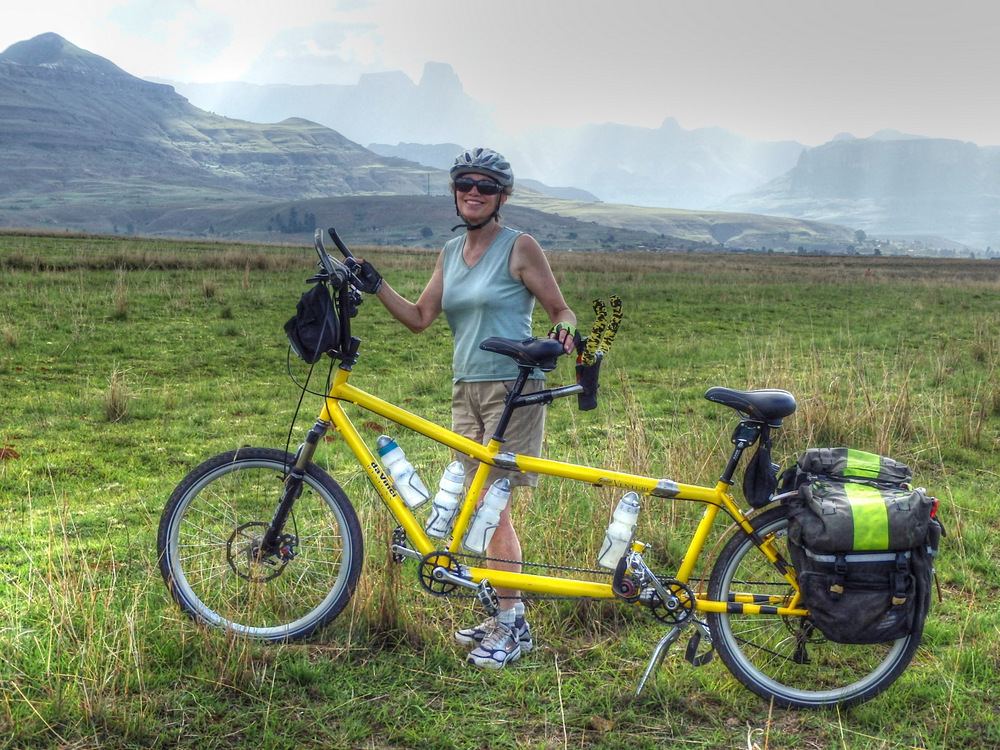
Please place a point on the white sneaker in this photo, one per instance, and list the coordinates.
(475, 635)
(496, 649)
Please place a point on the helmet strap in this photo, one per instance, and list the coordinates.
(472, 227)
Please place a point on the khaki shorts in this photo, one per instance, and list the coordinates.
(475, 411)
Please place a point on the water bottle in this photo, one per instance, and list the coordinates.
(404, 476)
(446, 501)
(487, 518)
(620, 531)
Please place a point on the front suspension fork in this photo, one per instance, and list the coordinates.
(273, 536)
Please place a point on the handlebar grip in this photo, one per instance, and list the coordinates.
(339, 243)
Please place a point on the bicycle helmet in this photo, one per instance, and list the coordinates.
(484, 161)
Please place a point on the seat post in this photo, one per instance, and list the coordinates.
(510, 402)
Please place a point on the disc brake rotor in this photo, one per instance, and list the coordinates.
(247, 558)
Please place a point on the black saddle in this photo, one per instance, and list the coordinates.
(541, 353)
(769, 406)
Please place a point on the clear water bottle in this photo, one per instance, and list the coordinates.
(487, 518)
(620, 531)
(446, 501)
(404, 476)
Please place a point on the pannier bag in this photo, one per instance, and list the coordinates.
(847, 464)
(314, 329)
(863, 544)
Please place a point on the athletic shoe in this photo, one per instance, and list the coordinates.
(497, 648)
(474, 636)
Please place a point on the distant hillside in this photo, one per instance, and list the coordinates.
(892, 186)
(85, 146)
(666, 166)
(75, 123)
(702, 169)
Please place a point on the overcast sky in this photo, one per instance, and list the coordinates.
(766, 69)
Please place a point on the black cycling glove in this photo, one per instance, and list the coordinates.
(366, 278)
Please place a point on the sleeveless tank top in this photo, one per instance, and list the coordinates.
(481, 301)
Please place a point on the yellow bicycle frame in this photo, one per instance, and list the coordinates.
(715, 499)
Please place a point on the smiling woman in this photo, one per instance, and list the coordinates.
(486, 282)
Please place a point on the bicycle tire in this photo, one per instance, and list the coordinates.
(785, 659)
(205, 547)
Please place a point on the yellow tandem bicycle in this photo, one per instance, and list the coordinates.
(265, 544)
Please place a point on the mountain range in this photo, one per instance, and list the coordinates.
(890, 184)
(84, 145)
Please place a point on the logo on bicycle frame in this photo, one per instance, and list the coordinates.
(376, 470)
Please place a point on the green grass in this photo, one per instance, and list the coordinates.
(126, 362)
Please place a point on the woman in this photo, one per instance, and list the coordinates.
(486, 282)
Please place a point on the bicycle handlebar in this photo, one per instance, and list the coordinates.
(339, 243)
(337, 272)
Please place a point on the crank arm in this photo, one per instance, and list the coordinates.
(647, 576)
(484, 590)
(402, 551)
(443, 574)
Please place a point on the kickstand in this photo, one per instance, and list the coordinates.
(658, 653)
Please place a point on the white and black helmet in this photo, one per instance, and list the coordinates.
(484, 161)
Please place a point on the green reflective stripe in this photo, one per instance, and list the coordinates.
(862, 464)
(871, 517)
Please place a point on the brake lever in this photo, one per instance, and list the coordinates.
(336, 271)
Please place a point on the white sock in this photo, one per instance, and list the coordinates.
(507, 617)
(519, 609)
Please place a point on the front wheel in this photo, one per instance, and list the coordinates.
(785, 658)
(211, 557)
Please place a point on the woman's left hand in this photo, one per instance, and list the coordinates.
(567, 335)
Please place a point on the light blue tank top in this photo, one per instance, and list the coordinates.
(481, 301)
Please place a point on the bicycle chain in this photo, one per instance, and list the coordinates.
(461, 557)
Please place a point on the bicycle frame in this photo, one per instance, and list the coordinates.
(715, 498)
(333, 416)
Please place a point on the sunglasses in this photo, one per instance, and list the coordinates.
(485, 187)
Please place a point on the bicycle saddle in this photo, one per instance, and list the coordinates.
(769, 406)
(533, 352)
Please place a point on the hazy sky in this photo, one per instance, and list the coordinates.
(766, 69)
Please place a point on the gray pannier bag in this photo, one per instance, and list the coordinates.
(863, 543)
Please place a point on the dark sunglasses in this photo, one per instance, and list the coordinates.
(485, 187)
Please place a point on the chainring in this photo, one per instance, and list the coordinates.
(677, 610)
(434, 560)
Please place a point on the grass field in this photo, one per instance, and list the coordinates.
(125, 362)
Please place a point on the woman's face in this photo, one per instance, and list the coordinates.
(476, 207)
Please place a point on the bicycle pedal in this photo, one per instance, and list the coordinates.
(488, 598)
(398, 545)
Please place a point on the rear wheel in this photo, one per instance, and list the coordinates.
(785, 658)
(210, 554)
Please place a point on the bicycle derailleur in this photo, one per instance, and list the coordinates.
(668, 600)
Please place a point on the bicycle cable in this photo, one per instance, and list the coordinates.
(303, 391)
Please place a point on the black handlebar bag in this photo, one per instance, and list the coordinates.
(314, 329)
